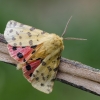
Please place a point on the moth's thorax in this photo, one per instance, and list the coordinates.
(54, 42)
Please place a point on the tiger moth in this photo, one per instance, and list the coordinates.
(37, 53)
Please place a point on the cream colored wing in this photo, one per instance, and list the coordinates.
(17, 34)
(44, 75)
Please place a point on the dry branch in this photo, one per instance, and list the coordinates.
(70, 72)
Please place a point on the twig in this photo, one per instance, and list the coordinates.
(70, 72)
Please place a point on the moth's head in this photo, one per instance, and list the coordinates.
(56, 40)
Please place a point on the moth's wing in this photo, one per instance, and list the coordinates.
(19, 53)
(22, 54)
(29, 68)
(17, 34)
(44, 75)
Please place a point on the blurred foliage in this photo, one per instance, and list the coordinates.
(51, 16)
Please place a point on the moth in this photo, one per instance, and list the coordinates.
(37, 53)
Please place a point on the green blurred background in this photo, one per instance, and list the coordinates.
(51, 16)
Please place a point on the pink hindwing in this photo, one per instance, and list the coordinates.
(29, 69)
(20, 53)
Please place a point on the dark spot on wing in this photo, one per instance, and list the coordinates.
(43, 63)
(33, 75)
(38, 59)
(33, 51)
(59, 58)
(42, 74)
(17, 33)
(11, 31)
(42, 84)
(24, 60)
(49, 68)
(47, 76)
(37, 71)
(20, 43)
(32, 28)
(20, 37)
(37, 78)
(43, 78)
(19, 55)
(31, 42)
(30, 74)
(34, 46)
(31, 59)
(13, 38)
(55, 69)
(53, 79)
(14, 48)
(15, 23)
(48, 90)
(10, 22)
(53, 61)
(29, 34)
(28, 67)
(26, 63)
(23, 46)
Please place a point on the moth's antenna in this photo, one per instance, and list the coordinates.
(71, 38)
(66, 27)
